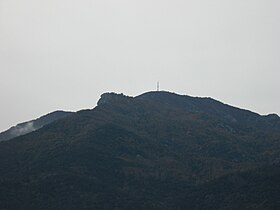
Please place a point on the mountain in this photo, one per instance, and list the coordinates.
(32, 125)
(158, 150)
(213, 107)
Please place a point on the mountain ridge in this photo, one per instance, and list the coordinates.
(32, 125)
(141, 153)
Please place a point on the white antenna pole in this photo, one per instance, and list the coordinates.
(157, 85)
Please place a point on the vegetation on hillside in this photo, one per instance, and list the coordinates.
(155, 151)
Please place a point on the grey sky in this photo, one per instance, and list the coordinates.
(62, 54)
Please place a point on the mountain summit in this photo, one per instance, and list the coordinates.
(158, 150)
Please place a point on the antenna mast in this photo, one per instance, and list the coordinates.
(157, 85)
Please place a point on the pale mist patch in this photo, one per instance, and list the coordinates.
(23, 129)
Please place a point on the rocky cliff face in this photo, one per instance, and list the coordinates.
(108, 98)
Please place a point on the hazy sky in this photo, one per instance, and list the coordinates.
(62, 54)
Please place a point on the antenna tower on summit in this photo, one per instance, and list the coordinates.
(157, 85)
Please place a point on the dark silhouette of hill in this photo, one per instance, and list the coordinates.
(158, 150)
(213, 107)
(32, 125)
(255, 189)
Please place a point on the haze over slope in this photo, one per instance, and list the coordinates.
(153, 151)
(32, 125)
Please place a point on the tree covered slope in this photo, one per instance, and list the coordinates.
(158, 150)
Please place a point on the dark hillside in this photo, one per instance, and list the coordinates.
(212, 107)
(147, 152)
(33, 125)
(256, 189)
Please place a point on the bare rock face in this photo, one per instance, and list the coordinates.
(108, 98)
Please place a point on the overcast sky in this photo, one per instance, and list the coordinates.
(62, 54)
